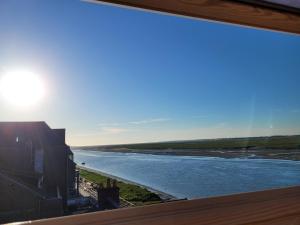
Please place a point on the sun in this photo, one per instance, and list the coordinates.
(21, 88)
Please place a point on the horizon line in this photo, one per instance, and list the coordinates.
(178, 140)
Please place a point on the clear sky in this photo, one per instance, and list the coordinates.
(114, 75)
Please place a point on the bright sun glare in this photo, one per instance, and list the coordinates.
(21, 88)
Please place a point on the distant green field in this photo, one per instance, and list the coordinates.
(275, 147)
(274, 142)
(130, 192)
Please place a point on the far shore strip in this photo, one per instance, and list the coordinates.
(164, 196)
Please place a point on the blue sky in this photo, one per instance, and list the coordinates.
(116, 75)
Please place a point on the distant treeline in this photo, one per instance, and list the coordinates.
(272, 142)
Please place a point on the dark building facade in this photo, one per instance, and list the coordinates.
(37, 172)
(108, 196)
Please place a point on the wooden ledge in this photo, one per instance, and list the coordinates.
(220, 10)
(276, 207)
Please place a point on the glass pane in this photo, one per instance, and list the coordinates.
(156, 108)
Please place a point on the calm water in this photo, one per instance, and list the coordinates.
(194, 177)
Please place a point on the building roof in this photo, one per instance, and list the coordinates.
(39, 130)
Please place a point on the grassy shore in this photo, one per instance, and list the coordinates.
(130, 192)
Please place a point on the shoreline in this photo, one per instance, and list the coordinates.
(280, 154)
(163, 195)
(267, 147)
